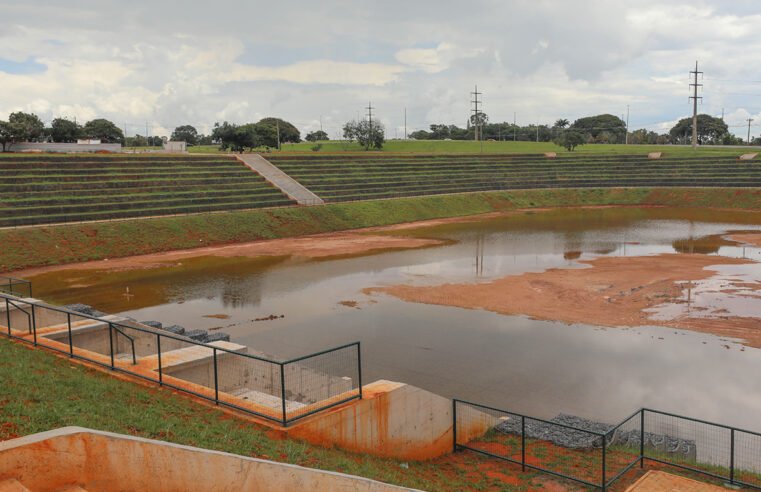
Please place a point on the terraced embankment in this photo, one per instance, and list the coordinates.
(52, 189)
(364, 177)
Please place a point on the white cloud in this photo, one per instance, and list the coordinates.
(542, 59)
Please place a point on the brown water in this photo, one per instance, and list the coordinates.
(524, 365)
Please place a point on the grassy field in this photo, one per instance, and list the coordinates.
(471, 147)
(35, 246)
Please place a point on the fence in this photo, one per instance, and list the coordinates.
(597, 455)
(16, 286)
(280, 391)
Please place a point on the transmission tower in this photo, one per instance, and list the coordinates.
(695, 98)
(369, 109)
(477, 119)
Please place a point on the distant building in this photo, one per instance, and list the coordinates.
(88, 141)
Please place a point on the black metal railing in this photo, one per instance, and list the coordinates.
(280, 391)
(16, 286)
(598, 457)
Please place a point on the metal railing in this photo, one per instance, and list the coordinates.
(279, 391)
(16, 286)
(598, 457)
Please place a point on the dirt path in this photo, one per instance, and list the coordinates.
(614, 291)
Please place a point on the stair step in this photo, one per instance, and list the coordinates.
(72, 488)
(12, 485)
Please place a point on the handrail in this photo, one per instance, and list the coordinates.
(642, 455)
(173, 336)
(131, 340)
(11, 281)
(28, 315)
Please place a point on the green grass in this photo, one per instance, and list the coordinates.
(36, 246)
(42, 392)
(471, 147)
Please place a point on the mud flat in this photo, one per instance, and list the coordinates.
(315, 246)
(611, 291)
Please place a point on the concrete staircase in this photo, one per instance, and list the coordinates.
(292, 188)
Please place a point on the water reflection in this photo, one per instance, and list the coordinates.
(527, 365)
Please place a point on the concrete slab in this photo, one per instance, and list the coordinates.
(95, 460)
(292, 188)
(659, 481)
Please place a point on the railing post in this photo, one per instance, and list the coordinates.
(359, 368)
(282, 393)
(158, 348)
(523, 443)
(216, 378)
(111, 343)
(732, 456)
(642, 439)
(604, 464)
(71, 342)
(34, 326)
(454, 425)
(8, 315)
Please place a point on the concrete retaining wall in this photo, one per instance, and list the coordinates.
(94, 460)
(393, 419)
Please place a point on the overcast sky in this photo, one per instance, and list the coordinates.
(167, 63)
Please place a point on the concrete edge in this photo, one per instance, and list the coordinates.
(9, 445)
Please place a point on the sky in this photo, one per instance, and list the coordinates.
(150, 66)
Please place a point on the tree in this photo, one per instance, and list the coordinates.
(185, 133)
(317, 136)
(366, 135)
(288, 132)
(603, 128)
(5, 134)
(479, 119)
(570, 139)
(65, 131)
(104, 130)
(238, 138)
(710, 130)
(20, 127)
(561, 123)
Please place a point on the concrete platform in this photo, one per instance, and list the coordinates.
(659, 481)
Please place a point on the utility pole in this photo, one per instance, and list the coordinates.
(537, 133)
(477, 119)
(627, 125)
(321, 123)
(514, 127)
(405, 123)
(370, 120)
(750, 120)
(695, 98)
(277, 126)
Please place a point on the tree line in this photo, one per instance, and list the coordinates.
(272, 132)
(603, 128)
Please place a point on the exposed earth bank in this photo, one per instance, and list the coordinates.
(612, 291)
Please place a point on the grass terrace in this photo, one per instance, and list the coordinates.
(372, 176)
(52, 189)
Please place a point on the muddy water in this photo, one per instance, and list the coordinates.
(536, 367)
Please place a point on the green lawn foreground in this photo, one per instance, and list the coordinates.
(42, 391)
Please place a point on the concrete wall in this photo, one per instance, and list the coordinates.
(303, 384)
(393, 419)
(64, 147)
(97, 460)
(175, 146)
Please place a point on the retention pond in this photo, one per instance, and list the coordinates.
(592, 312)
